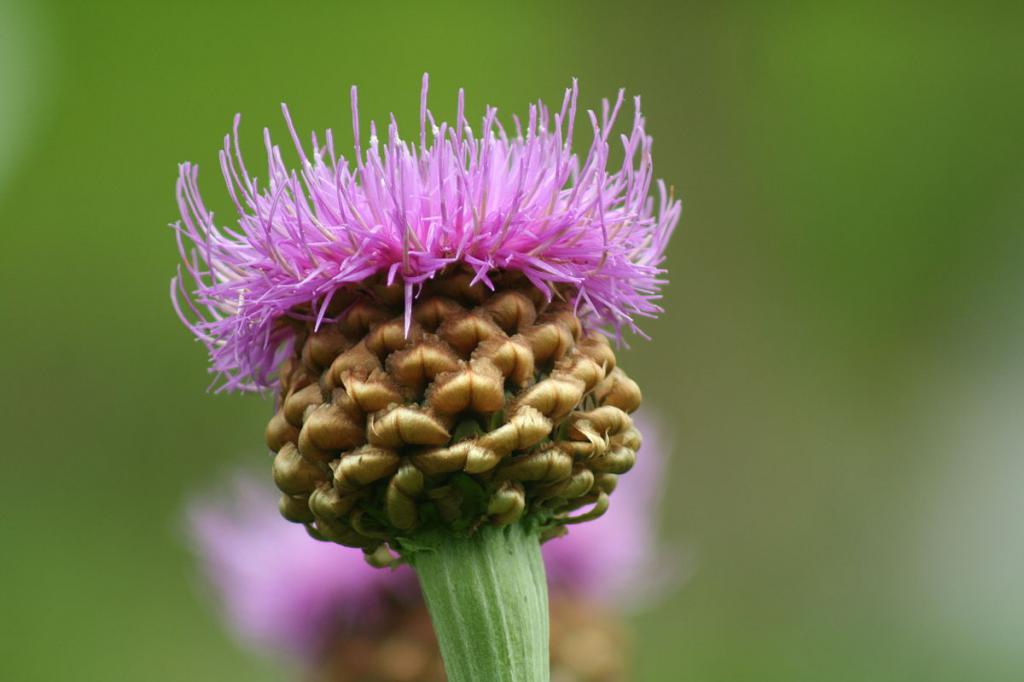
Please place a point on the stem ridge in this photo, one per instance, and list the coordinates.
(487, 596)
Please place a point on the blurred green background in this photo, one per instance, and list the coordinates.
(841, 361)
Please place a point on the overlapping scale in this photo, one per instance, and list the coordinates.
(482, 407)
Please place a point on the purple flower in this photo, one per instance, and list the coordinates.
(516, 199)
(281, 589)
(284, 591)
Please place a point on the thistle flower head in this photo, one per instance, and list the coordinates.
(506, 198)
(281, 590)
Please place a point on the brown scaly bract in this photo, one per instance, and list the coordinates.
(494, 406)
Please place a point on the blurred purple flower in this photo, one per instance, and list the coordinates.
(281, 589)
(284, 591)
(507, 200)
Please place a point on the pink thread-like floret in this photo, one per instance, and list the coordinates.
(504, 200)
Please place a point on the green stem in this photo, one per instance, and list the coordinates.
(488, 598)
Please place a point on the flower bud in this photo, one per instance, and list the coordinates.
(487, 410)
(458, 332)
